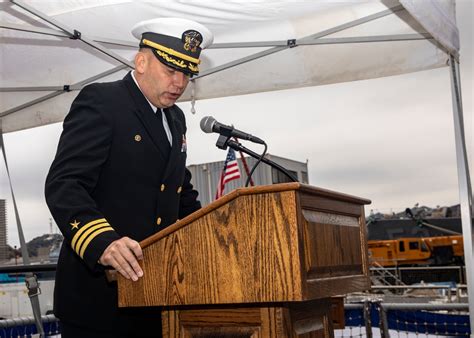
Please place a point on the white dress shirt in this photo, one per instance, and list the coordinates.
(165, 121)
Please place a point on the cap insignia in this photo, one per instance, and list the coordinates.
(191, 39)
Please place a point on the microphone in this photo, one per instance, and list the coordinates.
(210, 125)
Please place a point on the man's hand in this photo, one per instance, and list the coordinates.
(122, 255)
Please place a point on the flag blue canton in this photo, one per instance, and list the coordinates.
(230, 156)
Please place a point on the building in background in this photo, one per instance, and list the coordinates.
(3, 231)
(206, 176)
(417, 221)
(386, 229)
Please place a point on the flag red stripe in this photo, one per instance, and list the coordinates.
(230, 172)
(227, 179)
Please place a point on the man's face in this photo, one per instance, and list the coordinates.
(162, 85)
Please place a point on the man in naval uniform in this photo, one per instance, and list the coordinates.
(119, 176)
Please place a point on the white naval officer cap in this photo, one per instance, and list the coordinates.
(175, 42)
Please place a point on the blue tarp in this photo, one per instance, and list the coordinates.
(424, 322)
(6, 278)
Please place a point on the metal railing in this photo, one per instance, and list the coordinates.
(25, 326)
(449, 290)
(381, 275)
(28, 268)
(409, 275)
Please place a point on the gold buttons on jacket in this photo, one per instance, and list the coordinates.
(158, 221)
(162, 188)
(138, 138)
(179, 190)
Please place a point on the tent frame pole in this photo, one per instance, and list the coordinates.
(33, 29)
(63, 90)
(62, 34)
(253, 44)
(464, 182)
(311, 37)
(74, 34)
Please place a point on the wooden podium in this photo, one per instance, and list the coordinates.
(259, 262)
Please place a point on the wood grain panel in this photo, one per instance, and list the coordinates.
(256, 247)
(330, 287)
(222, 317)
(316, 191)
(243, 252)
(294, 320)
(225, 322)
(235, 323)
(337, 313)
(331, 249)
(321, 203)
(308, 316)
(266, 189)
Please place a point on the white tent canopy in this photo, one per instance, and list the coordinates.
(51, 49)
(325, 32)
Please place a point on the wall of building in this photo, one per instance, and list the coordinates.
(205, 177)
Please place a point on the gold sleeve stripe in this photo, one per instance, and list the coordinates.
(84, 228)
(170, 51)
(84, 236)
(91, 237)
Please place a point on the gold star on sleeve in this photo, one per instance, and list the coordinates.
(75, 225)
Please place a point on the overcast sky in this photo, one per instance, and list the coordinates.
(390, 140)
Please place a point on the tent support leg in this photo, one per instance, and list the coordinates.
(30, 278)
(464, 181)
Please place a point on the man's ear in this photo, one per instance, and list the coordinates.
(140, 62)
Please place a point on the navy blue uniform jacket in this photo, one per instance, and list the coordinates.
(114, 175)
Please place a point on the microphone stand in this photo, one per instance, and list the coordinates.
(224, 141)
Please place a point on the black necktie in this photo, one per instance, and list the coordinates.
(159, 114)
(161, 129)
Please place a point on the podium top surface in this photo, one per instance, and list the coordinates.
(263, 189)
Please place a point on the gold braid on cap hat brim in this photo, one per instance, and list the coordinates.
(170, 51)
(168, 58)
(179, 63)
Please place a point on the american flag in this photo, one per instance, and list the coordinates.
(230, 172)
